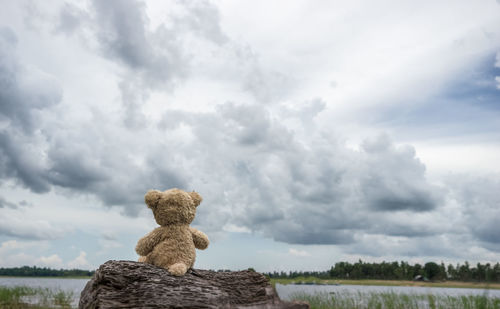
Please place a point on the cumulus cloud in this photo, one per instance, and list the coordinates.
(158, 58)
(40, 150)
(24, 91)
(269, 164)
(80, 262)
(395, 179)
(50, 261)
(296, 186)
(478, 195)
(188, 40)
(312, 190)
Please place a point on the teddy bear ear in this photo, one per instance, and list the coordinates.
(196, 198)
(152, 197)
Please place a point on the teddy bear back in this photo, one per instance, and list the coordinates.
(173, 206)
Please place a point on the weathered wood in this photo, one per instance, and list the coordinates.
(127, 284)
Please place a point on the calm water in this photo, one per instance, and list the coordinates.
(68, 285)
(284, 291)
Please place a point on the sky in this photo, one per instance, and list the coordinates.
(315, 131)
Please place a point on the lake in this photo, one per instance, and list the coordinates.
(284, 291)
(74, 286)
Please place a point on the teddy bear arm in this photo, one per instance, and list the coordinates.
(199, 238)
(147, 243)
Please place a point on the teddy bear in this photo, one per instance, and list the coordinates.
(172, 244)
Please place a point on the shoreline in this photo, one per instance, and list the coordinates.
(49, 277)
(375, 282)
(316, 281)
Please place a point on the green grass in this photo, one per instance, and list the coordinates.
(50, 277)
(395, 301)
(20, 297)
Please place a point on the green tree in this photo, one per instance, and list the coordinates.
(452, 273)
(431, 270)
(442, 272)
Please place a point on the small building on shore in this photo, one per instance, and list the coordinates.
(420, 278)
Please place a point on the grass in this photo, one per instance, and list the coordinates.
(395, 301)
(443, 284)
(20, 297)
(49, 277)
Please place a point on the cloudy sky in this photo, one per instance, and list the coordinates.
(316, 131)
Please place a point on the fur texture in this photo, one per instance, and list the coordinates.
(172, 245)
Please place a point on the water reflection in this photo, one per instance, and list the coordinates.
(285, 291)
(74, 286)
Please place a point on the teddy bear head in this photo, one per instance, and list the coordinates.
(173, 206)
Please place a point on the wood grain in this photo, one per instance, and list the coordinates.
(127, 284)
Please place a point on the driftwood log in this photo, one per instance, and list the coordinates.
(126, 284)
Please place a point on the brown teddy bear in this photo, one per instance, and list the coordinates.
(172, 245)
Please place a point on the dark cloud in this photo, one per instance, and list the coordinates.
(72, 166)
(405, 227)
(297, 184)
(157, 58)
(91, 158)
(4, 203)
(394, 179)
(25, 203)
(122, 32)
(299, 191)
(19, 161)
(481, 205)
(23, 91)
(83, 158)
(253, 171)
(70, 19)
(159, 54)
(310, 235)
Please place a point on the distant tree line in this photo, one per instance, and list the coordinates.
(33, 271)
(401, 271)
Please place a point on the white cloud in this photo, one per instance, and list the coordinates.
(232, 228)
(107, 100)
(300, 253)
(53, 261)
(10, 245)
(18, 223)
(15, 253)
(79, 262)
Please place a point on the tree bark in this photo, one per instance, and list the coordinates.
(127, 284)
